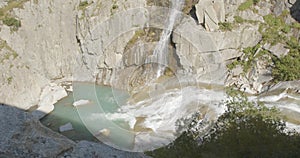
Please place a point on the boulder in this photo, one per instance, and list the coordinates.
(81, 102)
(210, 13)
(66, 127)
(105, 132)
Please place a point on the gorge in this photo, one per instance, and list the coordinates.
(131, 75)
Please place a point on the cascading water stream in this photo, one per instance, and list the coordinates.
(161, 49)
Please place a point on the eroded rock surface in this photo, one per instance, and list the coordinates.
(21, 135)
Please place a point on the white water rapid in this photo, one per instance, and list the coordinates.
(161, 49)
(156, 120)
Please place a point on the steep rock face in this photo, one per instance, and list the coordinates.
(45, 48)
(104, 31)
(198, 53)
(246, 35)
(210, 13)
(86, 41)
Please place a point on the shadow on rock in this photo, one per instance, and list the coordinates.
(22, 135)
(295, 10)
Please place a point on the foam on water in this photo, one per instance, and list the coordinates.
(288, 104)
(162, 114)
(161, 49)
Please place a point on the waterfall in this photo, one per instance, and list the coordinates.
(161, 49)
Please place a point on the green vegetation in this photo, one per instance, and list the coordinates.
(246, 5)
(114, 7)
(256, 1)
(9, 51)
(83, 5)
(138, 34)
(11, 21)
(11, 5)
(274, 30)
(225, 26)
(250, 55)
(296, 25)
(145, 35)
(287, 68)
(239, 19)
(246, 129)
(9, 80)
(7, 18)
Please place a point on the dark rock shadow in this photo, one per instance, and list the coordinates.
(295, 10)
(22, 135)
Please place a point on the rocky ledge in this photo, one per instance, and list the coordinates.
(21, 135)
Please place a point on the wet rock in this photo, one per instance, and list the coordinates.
(105, 132)
(286, 85)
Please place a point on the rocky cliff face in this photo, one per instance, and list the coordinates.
(46, 44)
(92, 40)
(44, 47)
(24, 136)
